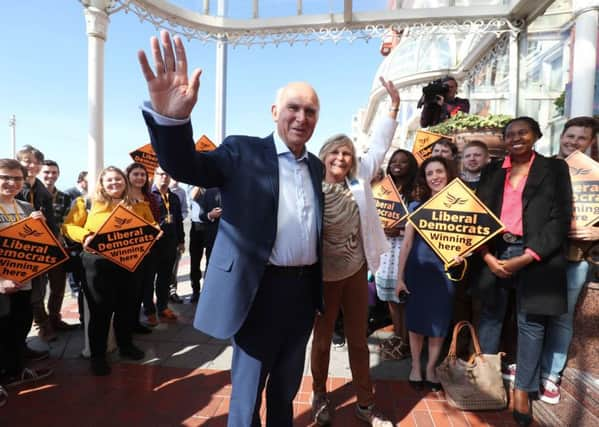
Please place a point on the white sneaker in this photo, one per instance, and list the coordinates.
(549, 392)
(372, 416)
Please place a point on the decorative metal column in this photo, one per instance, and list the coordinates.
(514, 74)
(585, 57)
(96, 20)
(220, 108)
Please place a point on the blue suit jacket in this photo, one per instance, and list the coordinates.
(247, 172)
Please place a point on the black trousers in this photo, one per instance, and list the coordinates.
(14, 328)
(145, 275)
(201, 238)
(166, 254)
(109, 290)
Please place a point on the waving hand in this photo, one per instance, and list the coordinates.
(393, 94)
(172, 93)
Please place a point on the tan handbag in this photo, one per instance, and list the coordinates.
(475, 384)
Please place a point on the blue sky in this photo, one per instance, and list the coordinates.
(44, 82)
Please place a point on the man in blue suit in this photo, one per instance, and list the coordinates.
(263, 284)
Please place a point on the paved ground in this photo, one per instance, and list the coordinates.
(184, 381)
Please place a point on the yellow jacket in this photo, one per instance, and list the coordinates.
(79, 223)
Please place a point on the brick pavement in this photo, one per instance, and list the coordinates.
(184, 381)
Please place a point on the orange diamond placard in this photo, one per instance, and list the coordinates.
(423, 144)
(455, 222)
(147, 157)
(389, 203)
(205, 144)
(27, 249)
(124, 238)
(584, 174)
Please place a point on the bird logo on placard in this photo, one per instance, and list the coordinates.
(385, 191)
(574, 171)
(452, 201)
(29, 232)
(120, 222)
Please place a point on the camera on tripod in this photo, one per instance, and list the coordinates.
(431, 91)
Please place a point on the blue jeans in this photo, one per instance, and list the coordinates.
(531, 328)
(493, 315)
(560, 328)
(531, 335)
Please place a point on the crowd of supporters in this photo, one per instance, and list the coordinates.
(536, 267)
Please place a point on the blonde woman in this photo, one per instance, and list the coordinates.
(108, 288)
(353, 241)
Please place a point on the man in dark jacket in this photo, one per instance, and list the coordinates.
(173, 240)
(205, 214)
(36, 194)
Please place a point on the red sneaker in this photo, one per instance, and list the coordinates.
(549, 392)
(509, 372)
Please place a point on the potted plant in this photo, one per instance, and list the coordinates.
(466, 127)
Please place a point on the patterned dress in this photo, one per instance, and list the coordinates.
(386, 276)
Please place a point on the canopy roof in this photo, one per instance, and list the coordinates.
(260, 22)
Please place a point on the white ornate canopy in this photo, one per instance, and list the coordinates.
(301, 21)
(474, 29)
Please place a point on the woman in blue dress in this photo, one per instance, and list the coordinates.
(422, 275)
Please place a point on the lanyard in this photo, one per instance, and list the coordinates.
(167, 205)
(14, 205)
(166, 202)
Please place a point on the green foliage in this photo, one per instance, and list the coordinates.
(465, 122)
(559, 103)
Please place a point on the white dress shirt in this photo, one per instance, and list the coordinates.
(296, 239)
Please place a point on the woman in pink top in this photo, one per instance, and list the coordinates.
(532, 196)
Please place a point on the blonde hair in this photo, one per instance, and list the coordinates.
(102, 196)
(336, 141)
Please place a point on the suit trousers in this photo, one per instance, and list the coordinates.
(175, 275)
(108, 289)
(38, 294)
(351, 295)
(269, 348)
(201, 238)
(57, 279)
(166, 254)
(145, 275)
